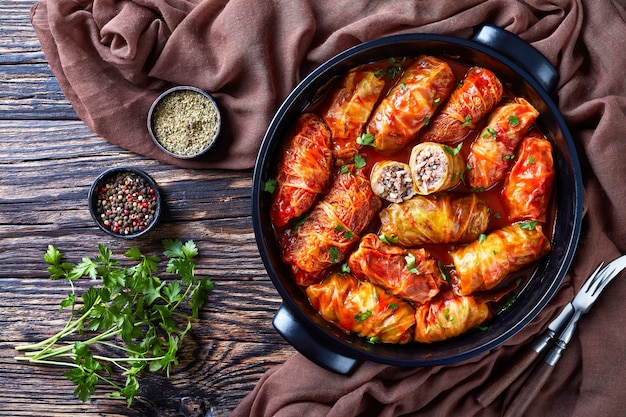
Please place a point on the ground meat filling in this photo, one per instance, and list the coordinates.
(430, 169)
(394, 183)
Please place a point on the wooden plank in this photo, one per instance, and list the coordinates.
(48, 160)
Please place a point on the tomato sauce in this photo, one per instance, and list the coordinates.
(499, 216)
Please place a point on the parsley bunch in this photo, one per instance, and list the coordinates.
(133, 321)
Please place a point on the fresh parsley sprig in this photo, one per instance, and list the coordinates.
(132, 321)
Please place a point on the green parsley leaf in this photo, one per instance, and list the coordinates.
(366, 139)
(359, 161)
(453, 151)
(468, 121)
(513, 120)
(270, 185)
(362, 316)
(388, 240)
(333, 252)
(135, 320)
(490, 132)
(528, 225)
(410, 263)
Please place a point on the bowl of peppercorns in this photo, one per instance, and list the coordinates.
(184, 122)
(125, 202)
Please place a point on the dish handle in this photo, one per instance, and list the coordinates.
(295, 332)
(519, 51)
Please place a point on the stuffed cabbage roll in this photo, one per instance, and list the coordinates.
(469, 103)
(528, 187)
(412, 274)
(332, 228)
(448, 315)
(491, 153)
(445, 219)
(411, 103)
(435, 167)
(392, 181)
(350, 107)
(484, 263)
(303, 170)
(363, 308)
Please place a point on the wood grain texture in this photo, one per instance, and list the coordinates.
(48, 160)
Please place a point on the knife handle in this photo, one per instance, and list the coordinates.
(529, 391)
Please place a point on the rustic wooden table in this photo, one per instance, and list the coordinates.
(48, 159)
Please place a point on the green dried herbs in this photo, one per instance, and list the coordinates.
(185, 122)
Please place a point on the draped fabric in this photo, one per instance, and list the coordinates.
(112, 58)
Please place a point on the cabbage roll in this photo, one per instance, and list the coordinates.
(392, 181)
(469, 103)
(492, 151)
(425, 219)
(350, 106)
(411, 103)
(484, 263)
(435, 167)
(363, 308)
(412, 274)
(332, 228)
(528, 187)
(448, 315)
(303, 169)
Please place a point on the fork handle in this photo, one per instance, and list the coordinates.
(488, 394)
(529, 391)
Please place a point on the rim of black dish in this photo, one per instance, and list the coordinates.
(296, 102)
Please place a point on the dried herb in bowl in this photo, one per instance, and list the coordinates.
(184, 122)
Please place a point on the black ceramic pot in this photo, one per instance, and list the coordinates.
(526, 73)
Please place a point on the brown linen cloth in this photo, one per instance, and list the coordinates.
(112, 58)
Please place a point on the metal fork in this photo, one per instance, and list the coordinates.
(582, 303)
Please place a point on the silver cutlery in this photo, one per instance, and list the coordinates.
(568, 317)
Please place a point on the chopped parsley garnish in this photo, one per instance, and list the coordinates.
(528, 225)
(334, 254)
(453, 151)
(388, 240)
(410, 263)
(359, 161)
(362, 316)
(513, 120)
(468, 121)
(366, 139)
(270, 185)
(490, 132)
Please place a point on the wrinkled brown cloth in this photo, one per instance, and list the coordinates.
(112, 58)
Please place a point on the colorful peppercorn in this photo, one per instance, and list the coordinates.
(126, 203)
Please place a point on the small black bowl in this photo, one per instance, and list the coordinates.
(125, 202)
(184, 122)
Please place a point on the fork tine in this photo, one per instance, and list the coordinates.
(592, 279)
(609, 272)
